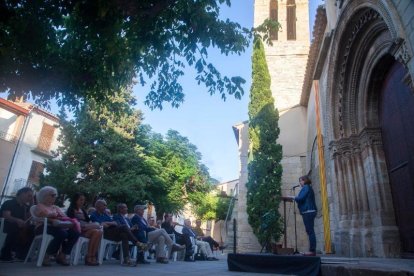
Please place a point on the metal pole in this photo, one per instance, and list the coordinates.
(234, 236)
(294, 216)
(284, 222)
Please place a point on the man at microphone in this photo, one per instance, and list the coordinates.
(307, 207)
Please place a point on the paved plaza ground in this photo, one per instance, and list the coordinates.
(330, 266)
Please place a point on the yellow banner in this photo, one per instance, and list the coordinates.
(324, 194)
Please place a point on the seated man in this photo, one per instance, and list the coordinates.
(121, 218)
(153, 235)
(114, 231)
(200, 235)
(204, 246)
(20, 233)
(180, 238)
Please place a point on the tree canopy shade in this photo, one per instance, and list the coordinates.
(73, 50)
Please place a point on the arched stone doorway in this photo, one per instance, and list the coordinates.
(365, 45)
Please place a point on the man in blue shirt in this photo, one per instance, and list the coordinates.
(113, 231)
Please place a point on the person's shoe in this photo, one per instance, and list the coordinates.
(90, 261)
(310, 253)
(142, 246)
(143, 262)
(46, 261)
(211, 259)
(222, 247)
(128, 262)
(188, 259)
(162, 260)
(177, 247)
(62, 261)
(6, 259)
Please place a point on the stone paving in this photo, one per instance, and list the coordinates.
(210, 268)
(330, 266)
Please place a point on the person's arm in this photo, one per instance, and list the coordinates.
(7, 215)
(302, 194)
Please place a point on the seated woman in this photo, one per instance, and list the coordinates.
(64, 235)
(90, 230)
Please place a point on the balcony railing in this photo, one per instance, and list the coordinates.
(8, 137)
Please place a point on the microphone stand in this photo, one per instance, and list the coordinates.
(294, 216)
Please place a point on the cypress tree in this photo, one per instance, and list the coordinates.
(265, 155)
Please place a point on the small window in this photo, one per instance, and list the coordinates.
(273, 16)
(291, 19)
(46, 137)
(35, 170)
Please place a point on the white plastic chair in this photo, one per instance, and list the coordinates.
(103, 252)
(3, 235)
(78, 251)
(40, 242)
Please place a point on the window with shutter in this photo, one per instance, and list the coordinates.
(291, 19)
(273, 16)
(46, 136)
(35, 170)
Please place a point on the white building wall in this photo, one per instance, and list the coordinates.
(25, 155)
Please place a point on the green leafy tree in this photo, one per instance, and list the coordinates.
(264, 169)
(182, 178)
(91, 49)
(99, 156)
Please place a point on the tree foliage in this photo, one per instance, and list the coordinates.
(98, 154)
(107, 153)
(264, 169)
(178, 165)
(79, 50)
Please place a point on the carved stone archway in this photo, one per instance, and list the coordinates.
(366, 40)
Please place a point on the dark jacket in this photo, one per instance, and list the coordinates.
(143, 229)
(306, 199)
(121, 220)
(189, 232)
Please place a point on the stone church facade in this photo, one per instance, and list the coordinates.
(361, 64)
(361, 58)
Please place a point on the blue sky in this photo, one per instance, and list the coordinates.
(207, 120)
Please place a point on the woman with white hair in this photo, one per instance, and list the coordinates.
(64, 230)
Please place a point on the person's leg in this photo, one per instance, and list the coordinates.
(94, 236)
(12, 231)
(211, 242)
(25, 240)
(160, 250)
(124, 237)
(94, 243)
(59, 235)
(309, 221)
(204, 248)
(71, 238)
(185, 240)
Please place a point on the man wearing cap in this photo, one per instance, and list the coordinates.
(153, 235)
